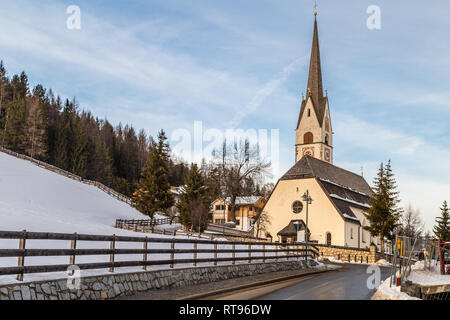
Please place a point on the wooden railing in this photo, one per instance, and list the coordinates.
(279, 251)
(70, 175)
(145, 226)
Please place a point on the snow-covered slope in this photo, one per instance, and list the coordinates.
(36, 199)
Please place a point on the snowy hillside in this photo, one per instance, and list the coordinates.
(36, 199)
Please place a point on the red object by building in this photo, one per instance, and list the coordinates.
(444, 259)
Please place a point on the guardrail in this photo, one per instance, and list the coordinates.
(70, 175)
(287, 251)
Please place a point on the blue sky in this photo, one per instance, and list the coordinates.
(165, 64)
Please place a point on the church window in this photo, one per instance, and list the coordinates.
(329, 238)
(297, 207)
(327, 139)
(309, 112)
(351, 233)
(308, 138)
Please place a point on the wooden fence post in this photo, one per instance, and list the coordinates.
(215, 253)
(21, 259)
(172, 254)
(276, 253)
(73, 246)
(233, 254)
(144, 257)
(112, 246)
(195, 253)
(264, 253)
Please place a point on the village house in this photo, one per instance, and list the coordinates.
(246, 210)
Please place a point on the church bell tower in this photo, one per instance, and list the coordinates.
(314, 135)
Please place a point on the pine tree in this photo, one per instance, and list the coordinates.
(153, 193)
(65, 138)
(193, 200)
(442, 228)
(80, 151)
(384, 212)
(35, 144)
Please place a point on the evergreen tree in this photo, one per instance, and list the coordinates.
(80, 151)
(153, 193)
(192, 199)
(35, 144)
(384, 212)
(442, 228)
(65, 139)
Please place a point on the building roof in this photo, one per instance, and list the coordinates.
(290, 230)
(242, 201)
(177, 190)
(344, 188)
(315, 86)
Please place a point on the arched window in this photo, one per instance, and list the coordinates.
(309, 112)
(329, 238)
(308, 138)
(327, 139)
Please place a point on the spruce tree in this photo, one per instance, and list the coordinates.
(384, 212)
(153, 193)
(193, 204)
(442, 228)
(35, 144)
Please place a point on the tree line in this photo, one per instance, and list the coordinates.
(35, 122)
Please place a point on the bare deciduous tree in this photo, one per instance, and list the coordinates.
(411, 225)
(262, 223)
(239, 163)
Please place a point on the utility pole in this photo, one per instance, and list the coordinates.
(307, 198)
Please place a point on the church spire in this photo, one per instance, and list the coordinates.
(315, 87)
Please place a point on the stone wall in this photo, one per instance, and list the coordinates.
(344, 254)
(116, 285)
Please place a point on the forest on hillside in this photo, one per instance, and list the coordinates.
(35, 122)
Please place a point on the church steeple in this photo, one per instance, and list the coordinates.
(315, 87)
(314, 133)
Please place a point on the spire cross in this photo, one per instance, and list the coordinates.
(315, 7)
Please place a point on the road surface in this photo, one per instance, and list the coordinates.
(347, 283)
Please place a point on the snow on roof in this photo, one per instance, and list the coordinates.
(177, 190)
(350, 217)
(244, 200)
(365, 205)
(345, 187)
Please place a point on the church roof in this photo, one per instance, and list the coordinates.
(344, 188)
(315, 86)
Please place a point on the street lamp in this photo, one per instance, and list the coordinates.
(306, 197)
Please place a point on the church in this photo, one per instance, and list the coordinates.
(337, 198)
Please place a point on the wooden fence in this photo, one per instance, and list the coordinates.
(286, 251)
(148, 226)
(145, 226)
(70, 175)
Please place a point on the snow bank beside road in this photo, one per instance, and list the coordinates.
(385, 292)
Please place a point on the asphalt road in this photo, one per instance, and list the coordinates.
(347, 283)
